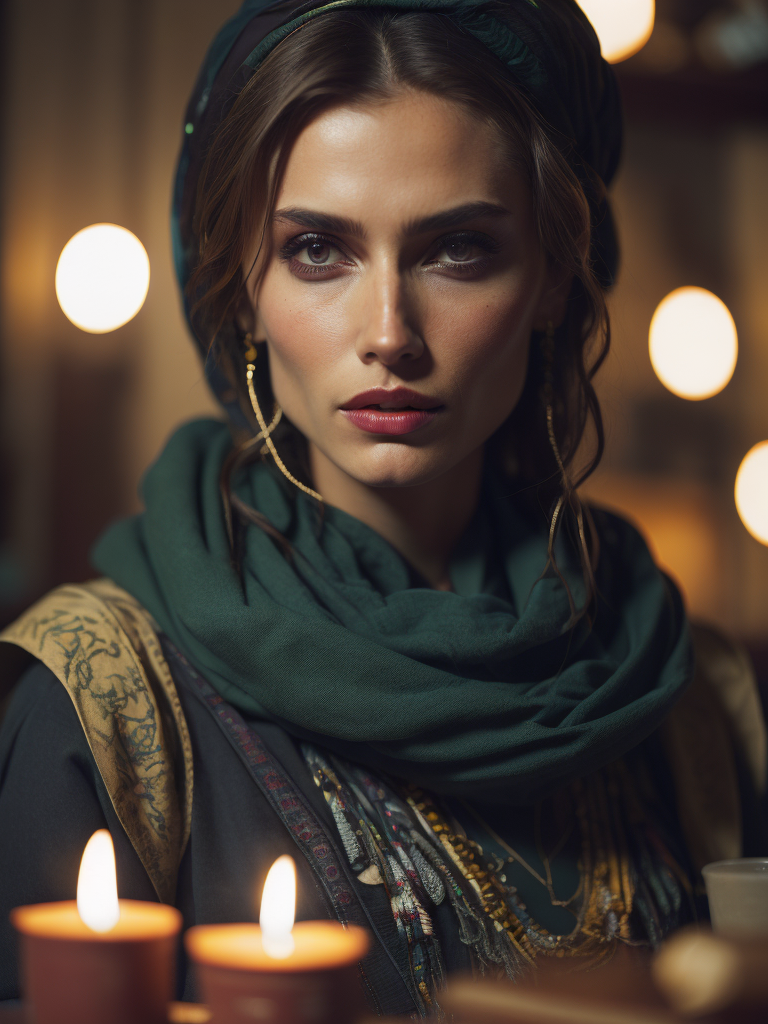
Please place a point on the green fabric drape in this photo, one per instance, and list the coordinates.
(483, 691)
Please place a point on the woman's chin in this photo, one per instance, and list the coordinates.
(397, 466)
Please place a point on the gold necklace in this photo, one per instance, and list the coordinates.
(515, 856)
(531, 939)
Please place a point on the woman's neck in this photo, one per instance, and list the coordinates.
(423, 522)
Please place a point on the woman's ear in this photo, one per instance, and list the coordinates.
(554, 297)
(244, 316)
(249, 320)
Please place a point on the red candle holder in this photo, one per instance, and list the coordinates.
(317, 984)
(73, 975)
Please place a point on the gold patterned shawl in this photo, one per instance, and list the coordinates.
(103, 646)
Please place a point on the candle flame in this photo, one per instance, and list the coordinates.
(97, 884)
(278, 909)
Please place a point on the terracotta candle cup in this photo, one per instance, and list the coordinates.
(73, 975)
(318, 983)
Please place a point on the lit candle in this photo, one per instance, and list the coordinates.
(98, 959)
(278, 972)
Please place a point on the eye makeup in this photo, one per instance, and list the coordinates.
(459, 243)
(306, 242)
(464, 253)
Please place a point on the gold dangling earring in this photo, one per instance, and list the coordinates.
(250, 356)
(264, 430)
(548, 348)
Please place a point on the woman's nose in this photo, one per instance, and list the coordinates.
(387, 333)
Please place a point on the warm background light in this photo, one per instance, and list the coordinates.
(97, 902)
(623, 26)
(752, 491)
(278, 908)
(693, 343)
(102, 278)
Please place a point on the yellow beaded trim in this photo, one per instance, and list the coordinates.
(606, 879)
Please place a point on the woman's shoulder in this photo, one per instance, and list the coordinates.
(39, 701)
(715, 735)
(103, 649)
(723, 678)
(724, 669)
(618, 536)
(715, 742)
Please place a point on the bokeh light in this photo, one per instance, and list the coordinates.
(693, 343)
(102, 278)
(623, 26)
(752, 491)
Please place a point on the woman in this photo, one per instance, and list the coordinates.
(368, 622)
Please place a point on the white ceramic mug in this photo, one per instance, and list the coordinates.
(738, 895)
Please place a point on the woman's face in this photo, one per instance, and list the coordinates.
(402, 283)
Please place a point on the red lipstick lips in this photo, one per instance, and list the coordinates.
(396, 411)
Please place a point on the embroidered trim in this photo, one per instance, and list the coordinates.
(400, 837)
(304, 827)
(376, 837)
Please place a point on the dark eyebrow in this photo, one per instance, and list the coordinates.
(321, 222)
(442, 221)
(452, 218)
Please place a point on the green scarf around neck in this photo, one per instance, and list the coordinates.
(482, 692)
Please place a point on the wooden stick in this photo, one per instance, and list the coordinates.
(188, 1013)
(700, 973)
(483, 1003)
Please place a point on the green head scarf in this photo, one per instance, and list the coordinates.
(485, 691)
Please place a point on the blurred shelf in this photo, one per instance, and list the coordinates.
(178, 1013)
(695, 96)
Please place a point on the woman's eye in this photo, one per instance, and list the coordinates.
(460, 252)
(313, 256)
(464, 252)
(318, 254)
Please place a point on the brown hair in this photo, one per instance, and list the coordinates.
(357, 56)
